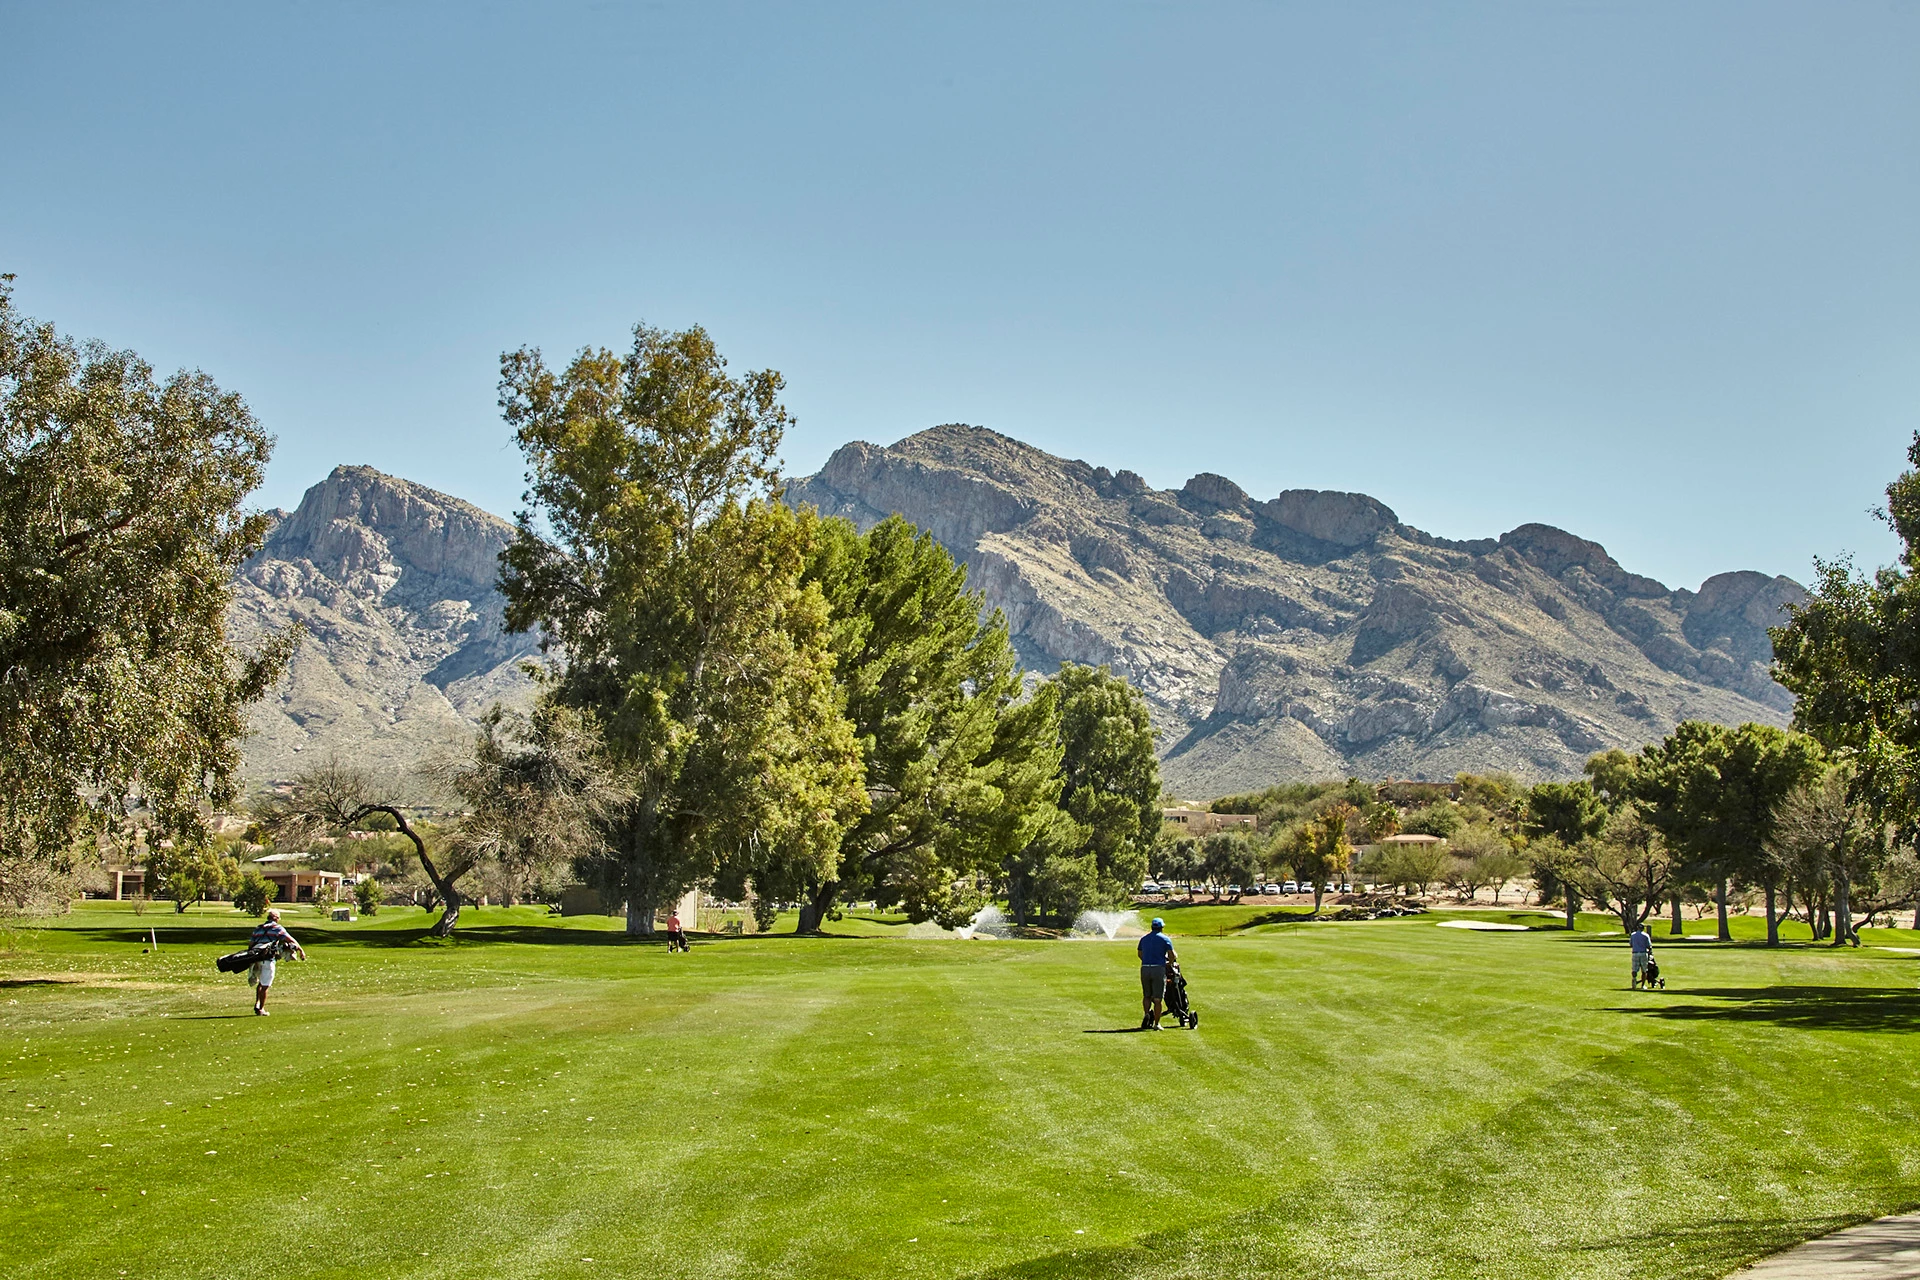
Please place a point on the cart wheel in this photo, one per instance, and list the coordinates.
(1193, 1020)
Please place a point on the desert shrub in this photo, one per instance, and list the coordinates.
(367, 894)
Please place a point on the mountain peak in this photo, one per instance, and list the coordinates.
(360, 520)
(394, 584)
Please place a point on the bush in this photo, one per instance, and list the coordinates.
(1442, 819)
(254, 893)
(765, 911)
(367, 894)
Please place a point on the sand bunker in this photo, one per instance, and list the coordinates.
(1482, 926)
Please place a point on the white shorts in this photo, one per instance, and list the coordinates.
(261, 975)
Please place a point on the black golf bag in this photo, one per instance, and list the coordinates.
(1651, 975)
(241, 961)
(1177, 997)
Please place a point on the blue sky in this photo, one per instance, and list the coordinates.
(1649, 272)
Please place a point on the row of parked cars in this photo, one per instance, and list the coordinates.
(1234, 890)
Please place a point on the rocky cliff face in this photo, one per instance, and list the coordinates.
(405, 649)
(1313, 634)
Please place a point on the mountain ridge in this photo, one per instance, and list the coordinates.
(1314, 632)
(1310, 634)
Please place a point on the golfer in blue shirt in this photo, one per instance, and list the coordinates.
(1156, 949)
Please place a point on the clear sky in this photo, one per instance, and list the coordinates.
(1650, 272)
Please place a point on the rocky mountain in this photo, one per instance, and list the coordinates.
(394, 584)
(1312, 634)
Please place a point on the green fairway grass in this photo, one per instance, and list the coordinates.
(1377, 1099)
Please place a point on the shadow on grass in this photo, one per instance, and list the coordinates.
(1279, 916)
(1112, 1031)
(1823, 1008)
(1261, 1237)
(35, 982)
(227, 936)
(235, 936)
(1733, 1237)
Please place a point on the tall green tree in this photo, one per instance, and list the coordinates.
(1564, 813)
(1713, 792)
(121, 528)
(1851, 656)
(961, 772)
(1110, 774)
(666, 581)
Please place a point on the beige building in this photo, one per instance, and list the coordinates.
(1415, 840)
(1203, 822)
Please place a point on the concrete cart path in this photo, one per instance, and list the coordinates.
(1888, 1249)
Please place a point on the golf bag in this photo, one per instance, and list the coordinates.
(1651, 976)
(241, 961)
(1177, 997)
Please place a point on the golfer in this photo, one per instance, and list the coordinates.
(1156, 949)
(1642, 943)
(269, 931)
(676, 936)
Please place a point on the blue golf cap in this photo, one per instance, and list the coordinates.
(1158, 923)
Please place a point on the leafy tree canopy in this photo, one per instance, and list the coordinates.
(1110, 771)
(1567, 811)
(958, 777)
(1851, 656)
(654, 552)
(1712, 791)
(121, 529)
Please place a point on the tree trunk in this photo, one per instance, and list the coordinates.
(639, 917)
(1318, 889)
(1573, 908)
(1773, 919)
(1843, 913)
(1675, 928)
(443, 927)
(1916, 919)
(1720, 906)
(443, 886)
(813, 912)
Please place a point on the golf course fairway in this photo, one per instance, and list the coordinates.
(540, 1098)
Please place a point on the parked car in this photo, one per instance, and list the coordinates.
(1290, 886)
